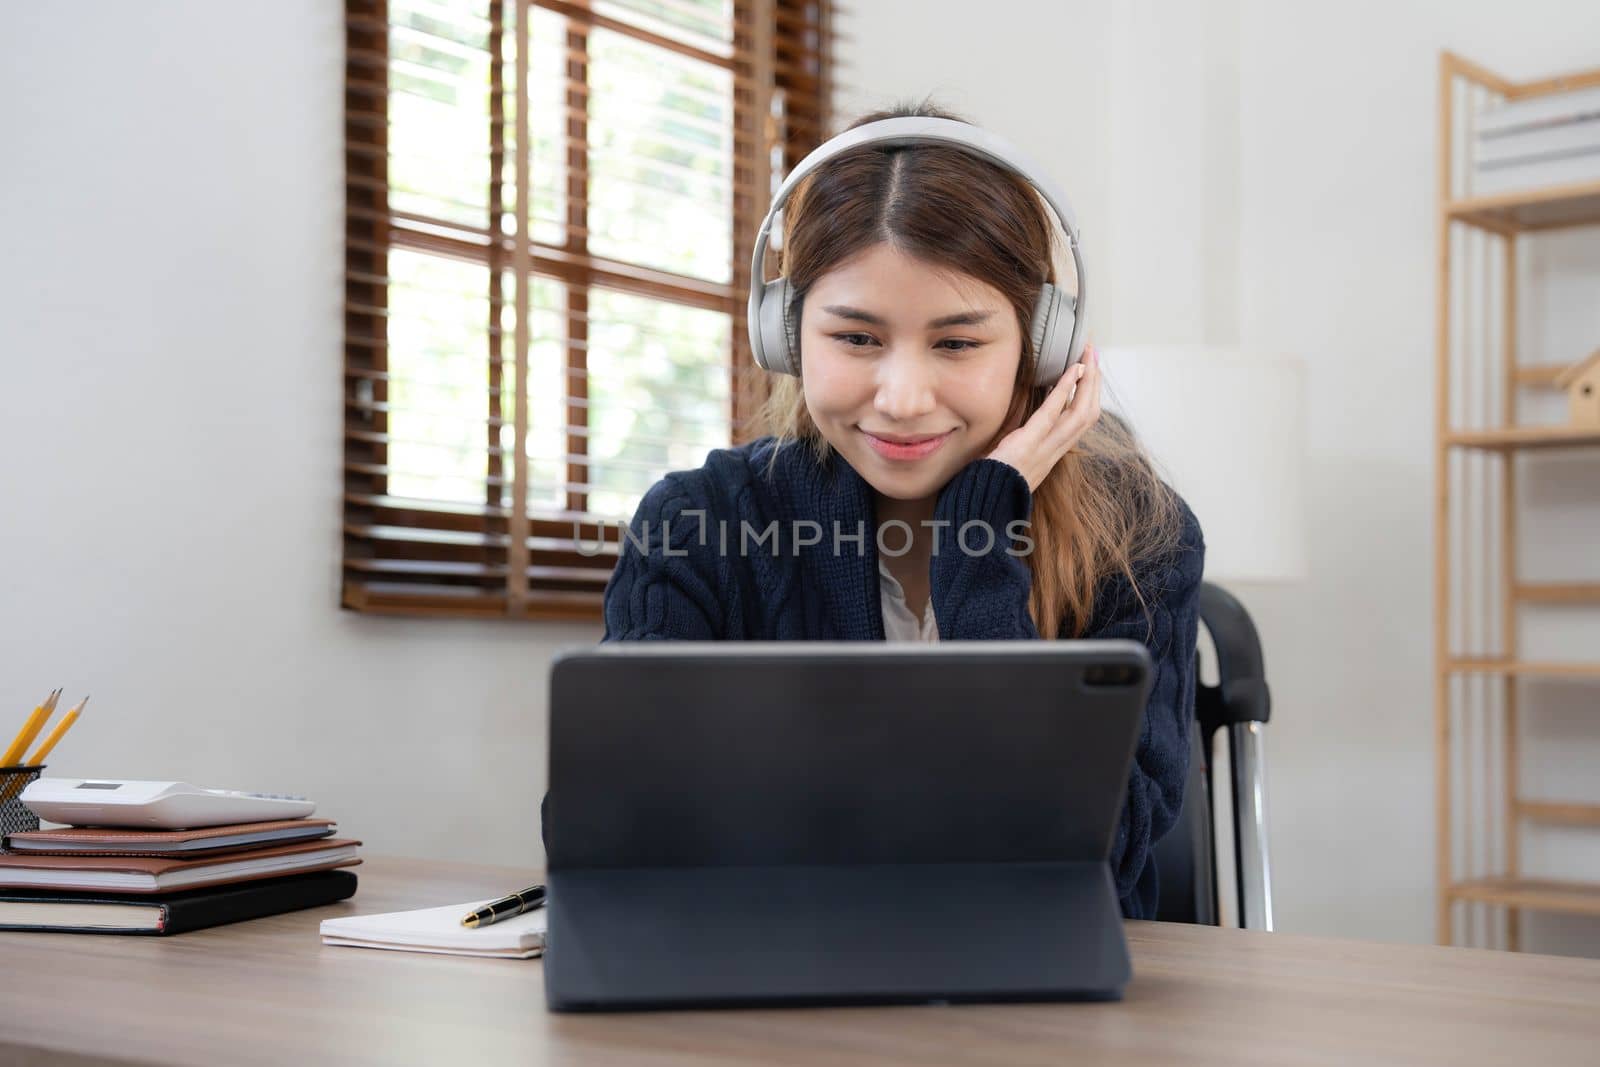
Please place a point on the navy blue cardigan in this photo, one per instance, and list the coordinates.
(684, 586)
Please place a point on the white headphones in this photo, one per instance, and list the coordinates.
(1057, 325)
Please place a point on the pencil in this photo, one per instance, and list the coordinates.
(55, 735)
(12, 788)
(30, 730)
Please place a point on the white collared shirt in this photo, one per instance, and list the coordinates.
(898, 622)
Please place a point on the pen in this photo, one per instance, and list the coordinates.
(506, 907)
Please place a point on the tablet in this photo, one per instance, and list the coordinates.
(858, 822)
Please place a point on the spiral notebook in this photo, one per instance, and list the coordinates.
(440, 930)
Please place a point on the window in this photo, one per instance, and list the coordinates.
(533, 338)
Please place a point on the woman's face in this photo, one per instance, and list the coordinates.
(907, 371)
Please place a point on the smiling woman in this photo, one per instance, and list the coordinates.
(897, 234)
(908, 371)
(923, 477)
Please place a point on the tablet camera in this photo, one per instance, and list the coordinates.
(1110, 675)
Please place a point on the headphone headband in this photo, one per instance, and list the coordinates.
(914, 130)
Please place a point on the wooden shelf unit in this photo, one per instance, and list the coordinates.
(1540, 375)
(1555, 208)
(1559, 814)
(1581, 898)
(1518, 668)
(1557, 592)
(1525, 437)
(1502, 218)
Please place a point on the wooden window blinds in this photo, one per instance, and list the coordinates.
(532, 338)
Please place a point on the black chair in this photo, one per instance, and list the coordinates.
(1186, 858)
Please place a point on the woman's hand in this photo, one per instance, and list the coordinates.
(1068, 411)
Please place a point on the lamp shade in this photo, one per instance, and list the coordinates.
(1227, 431)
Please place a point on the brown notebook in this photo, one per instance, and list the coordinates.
(103, 841)
(160, 874)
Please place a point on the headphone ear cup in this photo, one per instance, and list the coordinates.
(777, 352)
(1054, 313)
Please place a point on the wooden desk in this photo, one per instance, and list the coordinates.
(268, 992)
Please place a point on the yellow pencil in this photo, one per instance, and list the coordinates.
(49, 710)
(30, 730)
(55, 735)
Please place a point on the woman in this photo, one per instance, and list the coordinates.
(915, 483)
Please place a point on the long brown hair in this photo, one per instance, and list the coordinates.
(1103, 509)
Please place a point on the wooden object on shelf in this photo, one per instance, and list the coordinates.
(1582, 383)
(1468, 731)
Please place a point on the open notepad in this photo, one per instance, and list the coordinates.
(440, 930)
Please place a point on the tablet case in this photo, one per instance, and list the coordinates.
(837, 823)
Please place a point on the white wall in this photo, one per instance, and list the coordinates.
(1173, 172)
(1260, 172)
(1245, 171)
(1028, 87)
(169, 425)
(1338, 140)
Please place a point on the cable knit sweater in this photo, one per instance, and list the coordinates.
(675, 581)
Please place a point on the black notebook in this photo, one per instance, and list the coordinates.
(91, 912)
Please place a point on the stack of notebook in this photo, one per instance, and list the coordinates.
(1538, 141)
(168, 881)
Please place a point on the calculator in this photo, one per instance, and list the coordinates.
(155, 805)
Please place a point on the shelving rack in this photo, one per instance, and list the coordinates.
(1478, 668)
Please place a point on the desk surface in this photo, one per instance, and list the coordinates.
(269, 992)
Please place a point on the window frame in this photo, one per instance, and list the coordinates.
(410, 557)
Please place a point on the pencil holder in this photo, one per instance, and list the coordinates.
(15, 818)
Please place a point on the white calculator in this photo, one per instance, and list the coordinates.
(155, 805)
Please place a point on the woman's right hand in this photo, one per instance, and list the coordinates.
(1035, 447)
